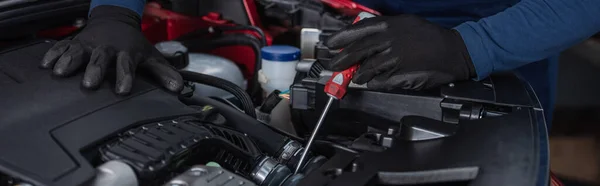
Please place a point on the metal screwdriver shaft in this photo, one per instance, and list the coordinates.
(313, 134)
(335, 88)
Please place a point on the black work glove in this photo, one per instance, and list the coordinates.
(404, 51)
(112, 37)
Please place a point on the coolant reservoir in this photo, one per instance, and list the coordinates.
(278, 67)
(206, 64)
(215, 66)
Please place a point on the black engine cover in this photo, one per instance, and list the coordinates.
(496, 125)
(46, 123)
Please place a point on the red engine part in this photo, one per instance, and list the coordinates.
(348, 7)
(162, 25)
(250, 6)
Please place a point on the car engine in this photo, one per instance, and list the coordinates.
(54, 132)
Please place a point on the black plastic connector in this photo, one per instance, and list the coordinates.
(304, 14)
(324, 54)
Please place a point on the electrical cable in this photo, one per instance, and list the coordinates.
(259, 31)
(269, 139)
(233, 40)
(223, 100)
(239, 93)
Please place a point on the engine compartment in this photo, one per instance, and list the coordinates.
(59, 136)
(53, 132)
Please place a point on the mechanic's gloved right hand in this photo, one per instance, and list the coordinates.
(404, 51)
(112, 37)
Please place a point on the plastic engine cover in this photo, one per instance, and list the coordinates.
(46, 123)
(489, 132)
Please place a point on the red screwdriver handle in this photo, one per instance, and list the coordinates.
(337, 86)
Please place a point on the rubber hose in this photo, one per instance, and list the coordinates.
(239, 93)
(263, 38)
(267, 138)
(233, 40)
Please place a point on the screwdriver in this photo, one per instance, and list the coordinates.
(336, 89)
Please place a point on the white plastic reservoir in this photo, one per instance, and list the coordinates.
(278, 67)
(206, 64)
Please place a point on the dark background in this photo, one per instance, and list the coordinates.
(575, 151)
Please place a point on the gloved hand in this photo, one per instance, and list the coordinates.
(112, 37)
(404, 51)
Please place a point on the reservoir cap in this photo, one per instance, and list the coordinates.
(281, 53)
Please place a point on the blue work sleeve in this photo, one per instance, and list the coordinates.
(135, 5)
(529, 31)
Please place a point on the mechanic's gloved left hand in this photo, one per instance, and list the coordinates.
(112, 37)
(404, 51)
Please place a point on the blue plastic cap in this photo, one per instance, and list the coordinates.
(282, 53)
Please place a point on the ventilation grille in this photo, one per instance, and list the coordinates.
(233, 137)
(227, 158)
(164, 145)
(315, 70)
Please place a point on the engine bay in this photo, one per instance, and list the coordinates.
(53, 132)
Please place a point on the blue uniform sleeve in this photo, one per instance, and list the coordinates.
(135, 5)
(529, 31)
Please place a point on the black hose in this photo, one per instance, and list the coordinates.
(223, 100)
(267, 138)
(263, 38)
(239, 93)
(233, 40)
